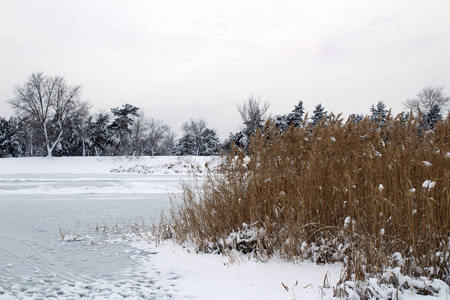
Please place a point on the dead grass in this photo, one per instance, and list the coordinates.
(345, 192)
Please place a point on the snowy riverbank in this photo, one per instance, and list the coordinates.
(106, 165)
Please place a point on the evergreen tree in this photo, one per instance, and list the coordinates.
(404, 117)
(210, 143)
(430, 119)
(12, 138)
(198, 139)
(29, 136)
(296, 116)
(185, 146)
(318, 114)
(5, 138)
(239, 139)
(282, 122)
(357, 118)
(121, 127)
(379, 113)
(99, 135)
(71, 142)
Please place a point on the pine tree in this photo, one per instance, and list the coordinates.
(27, 137)
(121, 126)
(99, 134)
(296, 116)
(198, 139)
(318, 114)
(210, 143)
(404, 117)
(357, 118)
(5, 138)
(282, 122)
(185, 146)
(379, 114)
(430, 119)
(71, 141)
(12, 142)
(239, 139)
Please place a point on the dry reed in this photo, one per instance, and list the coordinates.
(370, 197)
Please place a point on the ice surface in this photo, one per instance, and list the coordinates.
(50, 246)
(61, 235)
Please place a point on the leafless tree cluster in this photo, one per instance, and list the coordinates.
(151, 136)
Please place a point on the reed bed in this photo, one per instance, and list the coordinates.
(373, 198)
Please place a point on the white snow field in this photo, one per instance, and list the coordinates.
(66, 233)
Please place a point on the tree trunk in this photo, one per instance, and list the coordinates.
(47, 142)
(55, 143)
(31, 143)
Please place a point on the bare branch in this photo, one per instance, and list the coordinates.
(428, 98)
(44, 99)
(253, 113)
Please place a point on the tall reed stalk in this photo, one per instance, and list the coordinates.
(370, 197)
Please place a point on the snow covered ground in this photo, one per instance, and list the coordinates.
(66, 232)
(105, 165)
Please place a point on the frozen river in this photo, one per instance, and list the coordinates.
(50, 247)
(49, 242)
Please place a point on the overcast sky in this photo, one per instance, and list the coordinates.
(197, 59)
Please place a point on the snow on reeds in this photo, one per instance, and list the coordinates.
(375, 199)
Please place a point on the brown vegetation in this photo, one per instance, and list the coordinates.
(352, 192)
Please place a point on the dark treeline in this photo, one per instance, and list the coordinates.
(51, 120)
(430, 107)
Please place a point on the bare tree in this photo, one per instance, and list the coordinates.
(429, 99)
(138, 132)
(168, 144)
(252, 114)
(50, 103)
(193, 130)
(253, 117)
(80, 119)
(157, 132)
